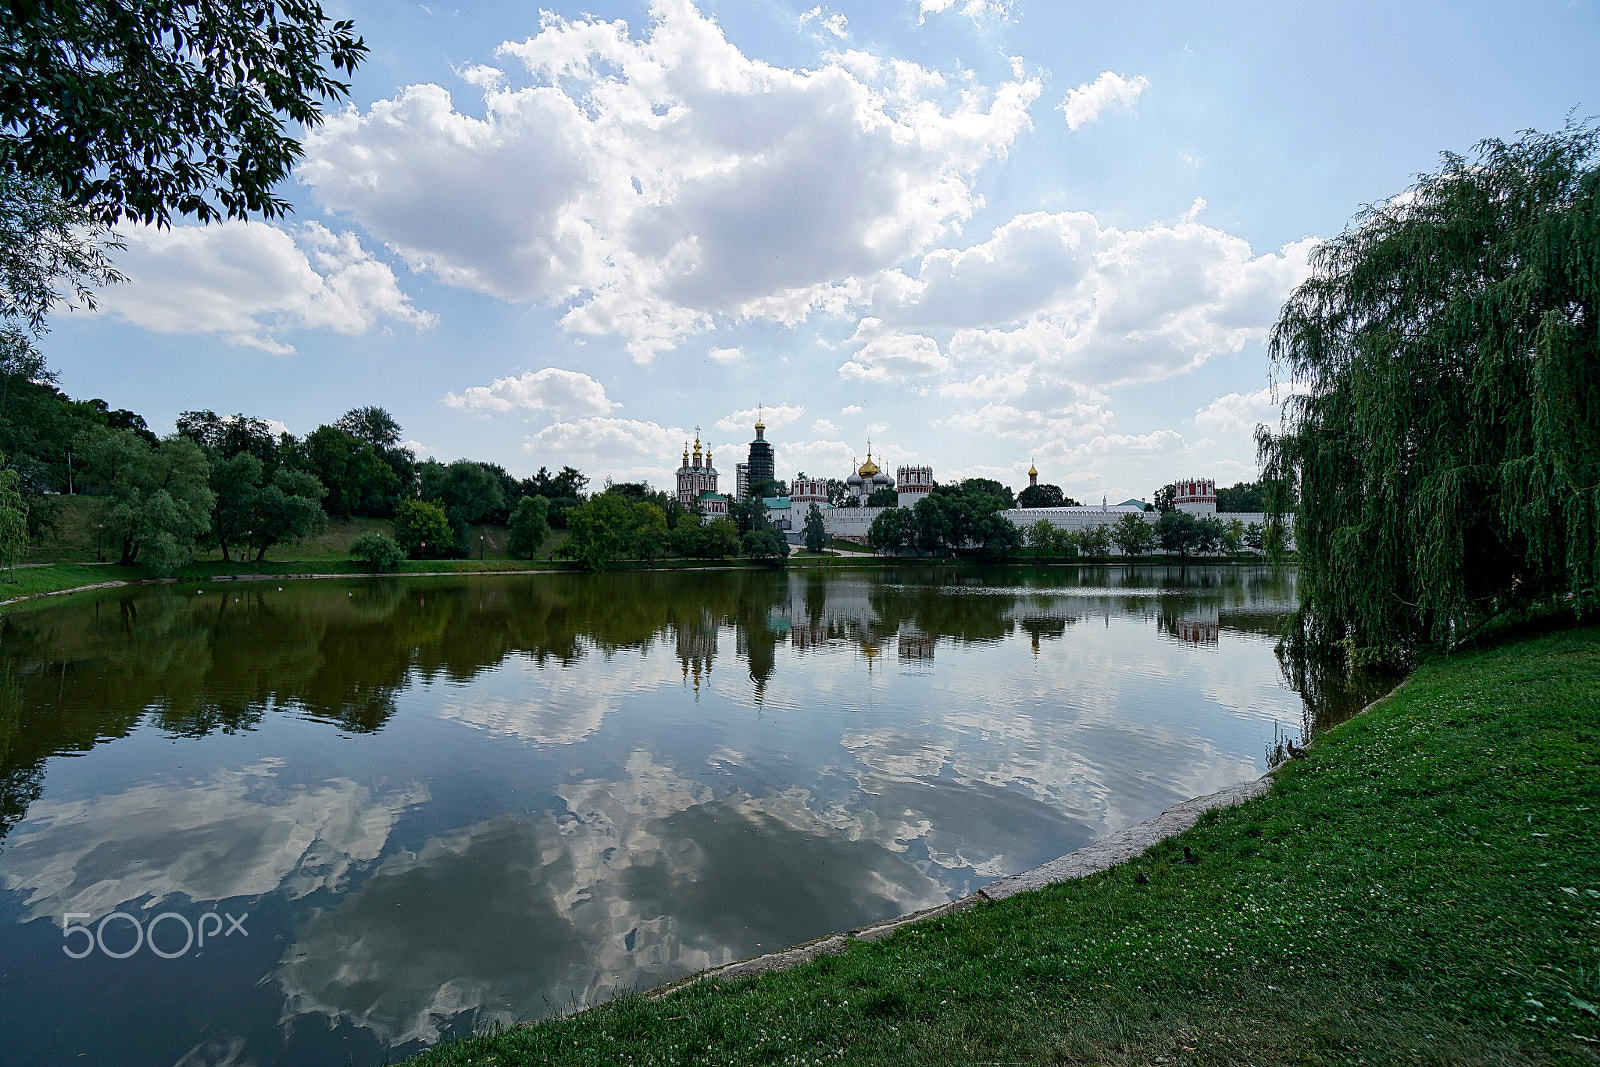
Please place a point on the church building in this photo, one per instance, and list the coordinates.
(697, 483)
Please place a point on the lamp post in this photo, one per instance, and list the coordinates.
(480, 548)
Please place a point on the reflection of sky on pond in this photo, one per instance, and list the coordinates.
(447, 803)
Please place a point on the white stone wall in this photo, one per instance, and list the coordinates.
(1077, 518)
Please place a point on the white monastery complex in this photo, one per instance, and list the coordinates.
(697, 487)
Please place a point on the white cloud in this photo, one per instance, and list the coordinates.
(726, 355)
(633, 180)
(832, 21)
(1004, 421)
(566, 393)
(1084, 104)
(824, 426)
(1239, 413)
(973, 9)
(249, 281)
(852, 409)
(774, 417)
(1102, 306)
(895, 357)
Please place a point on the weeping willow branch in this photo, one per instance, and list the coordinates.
(1444, 445)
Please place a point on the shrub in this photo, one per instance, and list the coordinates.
(378, 549)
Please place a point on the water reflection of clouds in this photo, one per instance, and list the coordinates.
(522, 699)
(643, 877)
(241, 833)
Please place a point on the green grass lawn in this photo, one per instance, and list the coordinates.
(1425, 888)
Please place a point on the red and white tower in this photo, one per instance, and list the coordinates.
(913, 484)
(1197, 496)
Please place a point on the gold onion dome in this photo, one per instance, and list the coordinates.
(868, 469)
(1032, 471)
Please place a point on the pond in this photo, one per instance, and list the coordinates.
(328, 822)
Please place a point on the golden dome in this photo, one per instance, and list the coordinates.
(1032, 472)
(869, 468)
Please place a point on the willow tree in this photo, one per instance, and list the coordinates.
(1443, 436)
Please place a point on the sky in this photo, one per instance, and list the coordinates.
(980, 234)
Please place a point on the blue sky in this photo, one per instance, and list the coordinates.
(980, 233)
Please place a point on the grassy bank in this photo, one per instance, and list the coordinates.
(1425, 888)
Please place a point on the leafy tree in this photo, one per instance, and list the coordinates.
(1045, 496)
(1133, 536)
(530, 526)
(1209, 533)
(1232, 535)
(1166, 498)
(563, 490)
(224, 437)
(161, 497)
(883, 497)
(51, 252)
(1041, 537)
(1178, 531)
(767, 487)
(816, 530)
(373, 425)
(13, 518)
(1242, 496)
(469, 492)
(378, 549)
(838, 493)
(988, 486)
(1252, 535)
(1445, 444)
(765, 544)
(603, 530)
(141, 109)
(650, 534)
(358, 480)
(288, 508)
(1094, 541)
(721, 540)
(423, 529)
(892, 530)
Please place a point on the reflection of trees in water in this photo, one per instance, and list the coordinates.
(341, 653)
(1329, 694)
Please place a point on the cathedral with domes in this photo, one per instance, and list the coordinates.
(697, 482)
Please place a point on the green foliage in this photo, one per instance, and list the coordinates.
(1209, 533)
(768, 487)
(892, 530)
(358, 479)
(563, 490)
(1242, 496)
(1166, 498)
(1094, 540)
(530, 526)
(1444, 441)
(469, 492)
(1045, 496)
(1132, 535)
(1178, 532)
(142, 109)
(1049, 540)
(883, 497)
(766, 544)
(423, 529)
(225, 437)
(161, 497)
(717, 539)
(816, 530)
(378, 549)
(609, 527)
(13, 518)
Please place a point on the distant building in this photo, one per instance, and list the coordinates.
(697, 483)
(807, 491)
(867, 480)
(915, 483)
(741, 480)
(762, 465)
(1197, 496)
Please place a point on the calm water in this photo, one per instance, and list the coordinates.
(440, 803)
